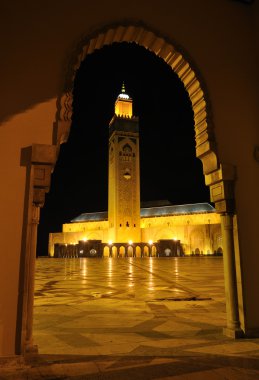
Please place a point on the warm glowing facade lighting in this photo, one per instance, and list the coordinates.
(123, 105)
(126, 221)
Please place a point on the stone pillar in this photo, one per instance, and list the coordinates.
(233, 324)
(221, 184)
(39, 160)
(208, 245)
(35, 217)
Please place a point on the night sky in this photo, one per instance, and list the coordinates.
(168, 166)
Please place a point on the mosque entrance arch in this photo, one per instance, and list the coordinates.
(218, 176)
(163, 48)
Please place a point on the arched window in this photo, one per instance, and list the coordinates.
(126, 152)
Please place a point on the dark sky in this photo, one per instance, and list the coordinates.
(168, 166)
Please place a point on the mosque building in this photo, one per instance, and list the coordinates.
(127, 229)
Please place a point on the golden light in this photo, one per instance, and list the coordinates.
(110, 267)
(130, 242)
(123, 105)
(175, 239)
(151, 282)
(110, 272)
(176, 270)
(110, 242)
(131, 269)
(150, 242)
(127, 175)
(85, 239)
(123, 108)
(83, 266)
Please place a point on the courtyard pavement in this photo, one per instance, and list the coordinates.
(151, 318)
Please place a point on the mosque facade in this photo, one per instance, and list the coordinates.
(129, 228)
(211, 46)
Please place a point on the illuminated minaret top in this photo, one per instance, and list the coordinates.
(123, 104)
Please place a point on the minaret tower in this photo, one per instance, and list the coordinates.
(124, 177)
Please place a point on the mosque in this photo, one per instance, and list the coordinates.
(129, 228)
(213, 47)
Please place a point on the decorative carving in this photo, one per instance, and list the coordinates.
(66, 109)
(43, 158)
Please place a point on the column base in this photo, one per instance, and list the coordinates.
(233, 333)
(31, 349)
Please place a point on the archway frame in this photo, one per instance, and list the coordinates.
(172, 55)
(41, 159)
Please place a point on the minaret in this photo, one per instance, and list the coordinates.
(124, 177)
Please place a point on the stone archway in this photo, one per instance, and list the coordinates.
(163, 48)
(219, 177)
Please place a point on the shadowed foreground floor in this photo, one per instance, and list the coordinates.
(133, 319)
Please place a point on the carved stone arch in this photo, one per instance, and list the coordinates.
(127, 148)
(172, 55)
(126, 142)
(40, 160)
(138, 251)
(145, 251)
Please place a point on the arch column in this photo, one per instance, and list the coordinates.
(233, 323)
(208, 244)
(31, 257)
(222, 194)
(39, 161)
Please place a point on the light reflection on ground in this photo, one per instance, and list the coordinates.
(127, 306)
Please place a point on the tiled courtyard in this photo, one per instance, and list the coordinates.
(128, 306)
(131, 318)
